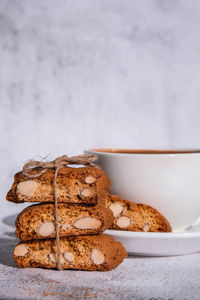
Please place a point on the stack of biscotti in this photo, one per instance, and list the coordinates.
(83, 216)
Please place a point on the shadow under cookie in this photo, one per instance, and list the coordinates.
(10, 220)
(6, 251)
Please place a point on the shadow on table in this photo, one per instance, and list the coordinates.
(6, 251)
(10, 220)
(7, 244)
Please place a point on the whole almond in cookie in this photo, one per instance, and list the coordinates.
(117, 208)
(123, 221)
(21, 250)
(97, 257)
(90, 179)
(69, 256)
(87, 223)
(46, 229)
(27, 188)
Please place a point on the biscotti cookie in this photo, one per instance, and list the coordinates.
(87, 185)
(100, 253)
(136, 217)
(37, 221)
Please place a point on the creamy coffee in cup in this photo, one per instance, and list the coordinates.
(168, 180)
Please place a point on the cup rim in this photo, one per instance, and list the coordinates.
(144, 151)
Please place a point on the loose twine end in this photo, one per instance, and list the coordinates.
(40, 167)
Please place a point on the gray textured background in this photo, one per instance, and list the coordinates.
(107, 73)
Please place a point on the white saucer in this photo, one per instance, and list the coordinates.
(159, 244)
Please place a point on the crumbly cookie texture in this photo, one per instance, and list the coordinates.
(37, 221)
(92, 253)
(136, 217)
(86, 185)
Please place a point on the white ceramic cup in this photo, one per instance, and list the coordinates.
(168, 180)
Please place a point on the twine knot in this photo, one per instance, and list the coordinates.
(60, 161)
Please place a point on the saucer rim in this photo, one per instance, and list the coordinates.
(153, 235)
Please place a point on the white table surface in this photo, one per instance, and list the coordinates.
(136, 278)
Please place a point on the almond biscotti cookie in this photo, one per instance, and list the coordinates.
(37, 221)
(93, 253)
(87, 185)
(136, 217)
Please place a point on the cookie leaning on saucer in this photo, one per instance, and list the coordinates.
(132, 216)
(87, 185)
(37, 221)
(92, 253)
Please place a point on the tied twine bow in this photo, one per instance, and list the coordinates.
(41, 167)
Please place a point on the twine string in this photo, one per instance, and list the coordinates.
(56, 219)
(40, 167)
